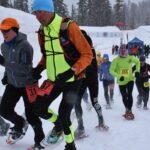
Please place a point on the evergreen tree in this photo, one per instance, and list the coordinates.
(91, 12)
(61, 8)
(118, 11)
(82, 12)
(106, 11)
(5, 3)
(132, 16)
(21, 5)
(74, 13)
(94, 12)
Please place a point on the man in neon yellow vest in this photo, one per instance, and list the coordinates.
(66, 76)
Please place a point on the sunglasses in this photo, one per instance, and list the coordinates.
(5, 31)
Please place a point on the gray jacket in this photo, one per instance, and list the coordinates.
(18, 56)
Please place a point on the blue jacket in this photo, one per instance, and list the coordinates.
(104, 71)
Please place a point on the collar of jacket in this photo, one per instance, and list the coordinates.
(54, 23)
(11, 41)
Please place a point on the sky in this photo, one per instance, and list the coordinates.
(122, 134)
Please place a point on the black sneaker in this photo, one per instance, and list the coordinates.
(70, 146)
(36, 147)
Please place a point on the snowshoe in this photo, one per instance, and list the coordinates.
(36, 147)
(108, 106)
(79, 134)
(53, 137)
(138, 105)
(145, 108)
(129, 115)
(102, 127)
(14, 135)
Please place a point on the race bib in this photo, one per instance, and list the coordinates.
(146, 84)
(45, 88)
(124, 72)
(32, 91)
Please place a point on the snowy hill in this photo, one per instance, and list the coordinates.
(122, 135)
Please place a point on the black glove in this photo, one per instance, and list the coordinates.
(122, 78)
(137, 74)
(4, 80)
(63, 77)
(36, 72)
(2, 60)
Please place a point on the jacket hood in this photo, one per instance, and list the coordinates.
(20, 37)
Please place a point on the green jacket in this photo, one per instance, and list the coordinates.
(123, 67)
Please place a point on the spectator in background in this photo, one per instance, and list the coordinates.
(99, 60)
(140, 51)
(134, 50)
(113, 49)
(116, 49)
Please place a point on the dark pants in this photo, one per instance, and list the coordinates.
(92, 85)
(143, 92)
(69, 96)
(126, 93)
(108, 86)
(10, 98)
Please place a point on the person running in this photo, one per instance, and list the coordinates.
(90, 82)
(65, 59)
(108, 80)
(142, 83)
(121, 68)
(17, 56)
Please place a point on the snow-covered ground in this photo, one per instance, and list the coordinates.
(122, 135)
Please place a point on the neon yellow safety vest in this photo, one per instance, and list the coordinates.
(55, 60)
